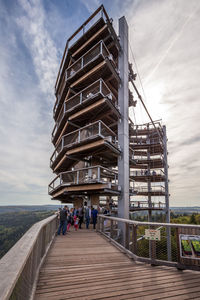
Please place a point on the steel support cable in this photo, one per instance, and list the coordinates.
(137, 71)
(140, 97)
(142, 90)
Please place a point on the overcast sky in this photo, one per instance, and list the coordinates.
(164, 38)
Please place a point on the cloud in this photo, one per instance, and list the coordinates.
(37, 39)
(91, 5)
(28, 67)
(164, 37)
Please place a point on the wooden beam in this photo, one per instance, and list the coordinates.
(77, 150)
(89, 74)
(78, 114)
(111, 87)
(87, 109)
(85, 147)
(90, 40)
(86, 187)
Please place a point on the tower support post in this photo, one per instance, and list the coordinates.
(168, 230)
(123, 128)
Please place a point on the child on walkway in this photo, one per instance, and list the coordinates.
(76, 221)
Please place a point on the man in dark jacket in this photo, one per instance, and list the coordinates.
(94, 217)
(63, 220)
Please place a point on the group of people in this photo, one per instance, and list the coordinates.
(76, 217)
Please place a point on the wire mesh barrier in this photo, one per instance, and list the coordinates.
(19, 268)
(98, 50)
(99, 14)
(145, 204)
(167, 244)
(90, 175)
(94, 130)
(84, 97)
(95, 174)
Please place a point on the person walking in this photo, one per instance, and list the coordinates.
(87, 216)
(69, 219)
(80, 216)
(63, 221)
(94, 213)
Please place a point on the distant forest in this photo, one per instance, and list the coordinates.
(14, 224)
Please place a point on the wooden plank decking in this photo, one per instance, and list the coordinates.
(84, 265)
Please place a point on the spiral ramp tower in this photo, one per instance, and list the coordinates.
(88, 114)
(149, 168)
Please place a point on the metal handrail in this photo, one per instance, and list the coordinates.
(101, 45)
(82, 27)
(146, 173)
(98, 167)
(80, 94)
(131, 222)
(152, 189)
(101, 125)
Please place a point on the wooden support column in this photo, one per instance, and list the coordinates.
(123, 129)
(95, 200)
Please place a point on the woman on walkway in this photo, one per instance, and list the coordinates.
(69, 219)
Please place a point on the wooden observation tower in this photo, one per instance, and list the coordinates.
(99, 151)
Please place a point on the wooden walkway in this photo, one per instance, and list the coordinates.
(84, 265)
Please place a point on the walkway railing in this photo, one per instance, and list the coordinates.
(19, 268)
(97, 53)
(94, 130)
(147, 241)
(96, 174)
(97, 50)
(87, 95)
(99, 13)
(147, 173)
(145, 204)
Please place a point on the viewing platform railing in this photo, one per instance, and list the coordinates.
(147, 128)
(19, 267)
(99, 13)
(96, 54)
(86, 96)
(90, 175)
(147, 173)
(153, 189)
(147, 241)
(97, 50)
(85, 134)
(142, 141)
(145, 204)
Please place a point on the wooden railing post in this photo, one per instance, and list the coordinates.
(102, 224)
(98, 224)
(127, 239)
(111, 229)
(134, 239)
